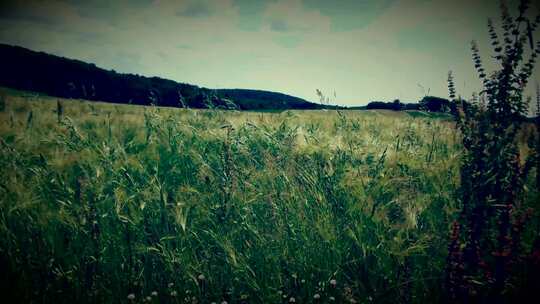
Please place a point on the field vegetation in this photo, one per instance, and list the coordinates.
(108, 203)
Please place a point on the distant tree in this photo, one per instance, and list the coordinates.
(397, 105)
(378, 105)
(435, 104)
(154, 100)
(411, 106)
(71, 89)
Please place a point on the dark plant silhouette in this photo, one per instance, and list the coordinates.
(2, 103)
(486, 253)
(59, 110)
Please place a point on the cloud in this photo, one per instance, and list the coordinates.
(250, 13)
(110, 12)
(195, 10)
(52, 13)
(293, 15)
(348, 15)
(279, 25)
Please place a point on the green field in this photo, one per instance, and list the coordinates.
(119, 203)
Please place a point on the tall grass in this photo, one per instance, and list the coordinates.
(185, 206)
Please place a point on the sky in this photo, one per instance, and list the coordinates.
(355, 51)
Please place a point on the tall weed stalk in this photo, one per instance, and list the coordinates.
(487, 253)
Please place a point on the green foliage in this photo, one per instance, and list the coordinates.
(495, 241)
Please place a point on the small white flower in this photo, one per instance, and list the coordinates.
(154, 293)
(292, 300)
(332, 299)
(131, 297)
(174, 293)
(201, 277)
(316, 296)
(170, 285)
(149, 298)
(224, 302)
(333, 282)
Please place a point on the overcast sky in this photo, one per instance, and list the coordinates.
(362, 50)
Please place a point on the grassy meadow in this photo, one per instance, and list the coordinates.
(131, 204)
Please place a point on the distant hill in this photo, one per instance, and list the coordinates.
(24, 69)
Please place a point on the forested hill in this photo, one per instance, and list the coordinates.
(24, 69)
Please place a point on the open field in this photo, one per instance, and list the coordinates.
(183, 159)
(110, 203)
